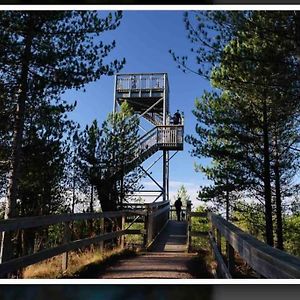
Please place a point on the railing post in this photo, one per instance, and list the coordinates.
(150, 226)
(230, 257)
(146, 228)
(189, 222)
(123, 235)
(66, 240)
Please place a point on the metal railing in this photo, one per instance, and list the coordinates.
(161, 136)
(170, 135)
(140, 82)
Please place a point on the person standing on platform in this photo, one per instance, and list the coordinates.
(178, 205)
(177, 118)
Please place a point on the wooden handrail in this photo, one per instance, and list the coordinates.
(265, 260)
(31, 259)
(157, 204)
(38, 221)
(152, 211)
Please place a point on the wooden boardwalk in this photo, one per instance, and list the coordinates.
(172, 239)
(168, 257)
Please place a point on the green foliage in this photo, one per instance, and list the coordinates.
(200, 224)
(214, 140)
(135, 239)
(249, 125)
(52, 52)
(43, 54)
(104, 154)
(183, 195)
(250, 218)
(292, 234)
(66, 52)
(43, 164)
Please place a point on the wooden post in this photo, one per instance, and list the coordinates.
(146, 231)
(189, 222)
(219, 246)
(123, 235)
(230, 257)
(148, 227)
(66, 240)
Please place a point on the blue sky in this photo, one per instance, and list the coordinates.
(144, 39)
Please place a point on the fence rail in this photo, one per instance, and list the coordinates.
(155, 216)
(263, 259)
(266, 261)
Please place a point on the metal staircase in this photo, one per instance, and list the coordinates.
(155, 119)
(158, 138)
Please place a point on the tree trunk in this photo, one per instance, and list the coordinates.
(122, 190)
(297, 25)
(73, 195)
(227, 199)
(267, 179)
(7, 251)
(92, 199)
(105, 189)
(279, 232)
(91, 210)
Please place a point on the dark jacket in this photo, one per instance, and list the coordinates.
(178, 204)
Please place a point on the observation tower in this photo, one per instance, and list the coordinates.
(148, 95)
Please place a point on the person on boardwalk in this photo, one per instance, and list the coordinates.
(177, 118)
(178, 205)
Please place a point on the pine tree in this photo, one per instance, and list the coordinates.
(250, 57)
(90, 148)
(104, 154)
(44, 53)
(183, 195)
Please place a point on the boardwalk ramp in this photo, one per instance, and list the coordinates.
(173, 238)
(167, 257)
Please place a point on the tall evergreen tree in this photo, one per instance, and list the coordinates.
(44, 53)
(104, 156)
(250, 57)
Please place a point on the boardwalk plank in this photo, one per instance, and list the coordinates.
(168, 257)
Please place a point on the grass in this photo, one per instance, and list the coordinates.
(96, 268)
(82, 264)
(134, 240)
